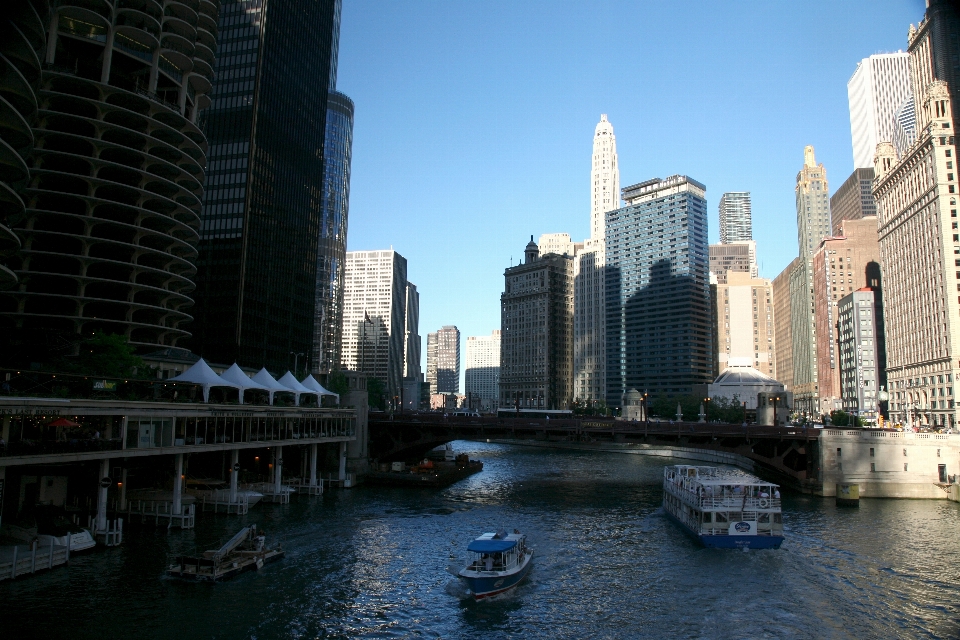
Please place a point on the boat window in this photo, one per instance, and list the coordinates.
(763, 517)
(706, 516)
(721, 517)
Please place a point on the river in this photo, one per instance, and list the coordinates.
(371, 562)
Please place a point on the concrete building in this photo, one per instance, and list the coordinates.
(739, 256)
(916, 196)
(877, 88)
(905, 127)
(536, 348)
(853, 200)
(559, 243)
(658, 313)
(861, 353)
(741, 383)
(783, 326)
(447, 354)
(482, 371)
(843, 264)
(431, 382)
(375, 290)
(813, 225)
(604, 177)
(736, 224)
(744, 320)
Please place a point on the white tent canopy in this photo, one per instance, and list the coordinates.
(236, 375)
(272, 386)
(288, 380)
(310, 383)
(203, 375)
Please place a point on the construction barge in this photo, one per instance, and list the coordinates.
(246, 551)
(429, 473)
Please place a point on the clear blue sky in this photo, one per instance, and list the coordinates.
(474, 120)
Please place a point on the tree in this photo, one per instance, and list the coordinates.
(337, 382)
(376, 393)
(109, 355)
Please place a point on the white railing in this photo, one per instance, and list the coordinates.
(732, 502)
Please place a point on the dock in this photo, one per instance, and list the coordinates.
(21, 559)
(443, 474)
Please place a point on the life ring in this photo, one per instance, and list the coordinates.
(764, 503)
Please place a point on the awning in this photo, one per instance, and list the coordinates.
(203, 375)
(236, 375)
(310, 383)
(263, 377)
(288, 380)
(63, 422)
(491, 546)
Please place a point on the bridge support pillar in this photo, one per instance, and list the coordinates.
(343, 461)
(278, 471)
(357, 452)
(313, 464)
(101, 524)
(177, 483)
(234, 473)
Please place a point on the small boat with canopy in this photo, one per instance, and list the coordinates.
(498, 562)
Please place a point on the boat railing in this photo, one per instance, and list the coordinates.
(733, 501)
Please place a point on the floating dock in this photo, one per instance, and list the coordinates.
(441, 475)
(246, 551)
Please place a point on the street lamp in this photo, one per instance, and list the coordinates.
(646, 410)
(707, 410)
(296, 359)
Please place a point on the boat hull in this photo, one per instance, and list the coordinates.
(483, 586)
(729, 542)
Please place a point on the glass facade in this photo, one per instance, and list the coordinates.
(256, 272)
(332, 241)
(659, 335)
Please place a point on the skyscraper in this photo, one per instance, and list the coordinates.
(740, 256)
(853, 200)
(102, 234)
(813, 225)
(745, 322)
(736, 224)
(257, 269)
(916, 197)
(783, 326)
(589, 349)
(658, 308)
(411, 329)
(482, 371)
(447, 360)
(431, 364)
(559, 243)
(374, 294)
(877, 88)
(332, 241)
(536, 318)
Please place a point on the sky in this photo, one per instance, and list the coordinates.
(474, 121)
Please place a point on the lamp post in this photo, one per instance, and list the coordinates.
(707, 409)
(296, 359)
(646, 413)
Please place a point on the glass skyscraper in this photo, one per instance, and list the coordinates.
(261, 220)
(658, 314)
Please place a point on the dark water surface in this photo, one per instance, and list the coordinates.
(370, 563)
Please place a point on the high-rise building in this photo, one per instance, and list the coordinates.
(860, 352)
(658, 311)
(853, 200)
(604, 177)
(411, 333)
(783, 326)
(589, 327)
(813, 225)
(916, 197)
(841, 265)
(536, 346)
(264, 198)
(447, 360)
(374, 310)
(739, 256)
(332, 241)
(559, 243)
(905, 126)
(744, 321)
(431, 383)
(736, 224)
(482, 371)
(98, 228)
(877, 88)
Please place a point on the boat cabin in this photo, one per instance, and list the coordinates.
(496, 552)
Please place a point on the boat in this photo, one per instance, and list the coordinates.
(219, 491)
(443, 453)
(723, 508)
(47, 525)
(498, 562)
(246, 551)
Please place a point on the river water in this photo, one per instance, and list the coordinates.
(371, 563)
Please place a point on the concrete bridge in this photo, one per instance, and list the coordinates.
(885, 463)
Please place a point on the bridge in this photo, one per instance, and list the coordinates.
(788, 455)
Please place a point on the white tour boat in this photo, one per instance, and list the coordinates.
(723, 508)
(498, 562)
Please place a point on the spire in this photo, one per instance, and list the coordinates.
(808, 158)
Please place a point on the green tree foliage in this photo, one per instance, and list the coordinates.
(108, 355)
(586, 408)
(376, 393)
(337, 382)
(843, 419)
(723, 409)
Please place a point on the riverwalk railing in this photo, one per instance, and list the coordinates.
(19, 560)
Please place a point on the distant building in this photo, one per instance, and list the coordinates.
(559, 243)
(482, 371)
(741, 383)
(446, 363)
(604, 177)
(736, 224)
(431, 363)
(877, 88)
(905, 126)
(411, 333)
(813, 225)
(861, 356)
(853, 200)
(740, 256)
(536, 348)
(375, 291)
(744, 322)
(658, 312)
(783, 327)
(842, 264)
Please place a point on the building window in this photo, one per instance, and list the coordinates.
(904, 452)
(871, 452)
(838, 452)
(873, 465)
(904, 466)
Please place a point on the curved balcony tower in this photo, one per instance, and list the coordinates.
(112, 202)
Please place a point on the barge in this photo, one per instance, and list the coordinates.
(723, 508)
(246, 551)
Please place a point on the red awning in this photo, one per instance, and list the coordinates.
(62, 422)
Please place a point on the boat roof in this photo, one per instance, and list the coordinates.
(493, 542)
(718, 476)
